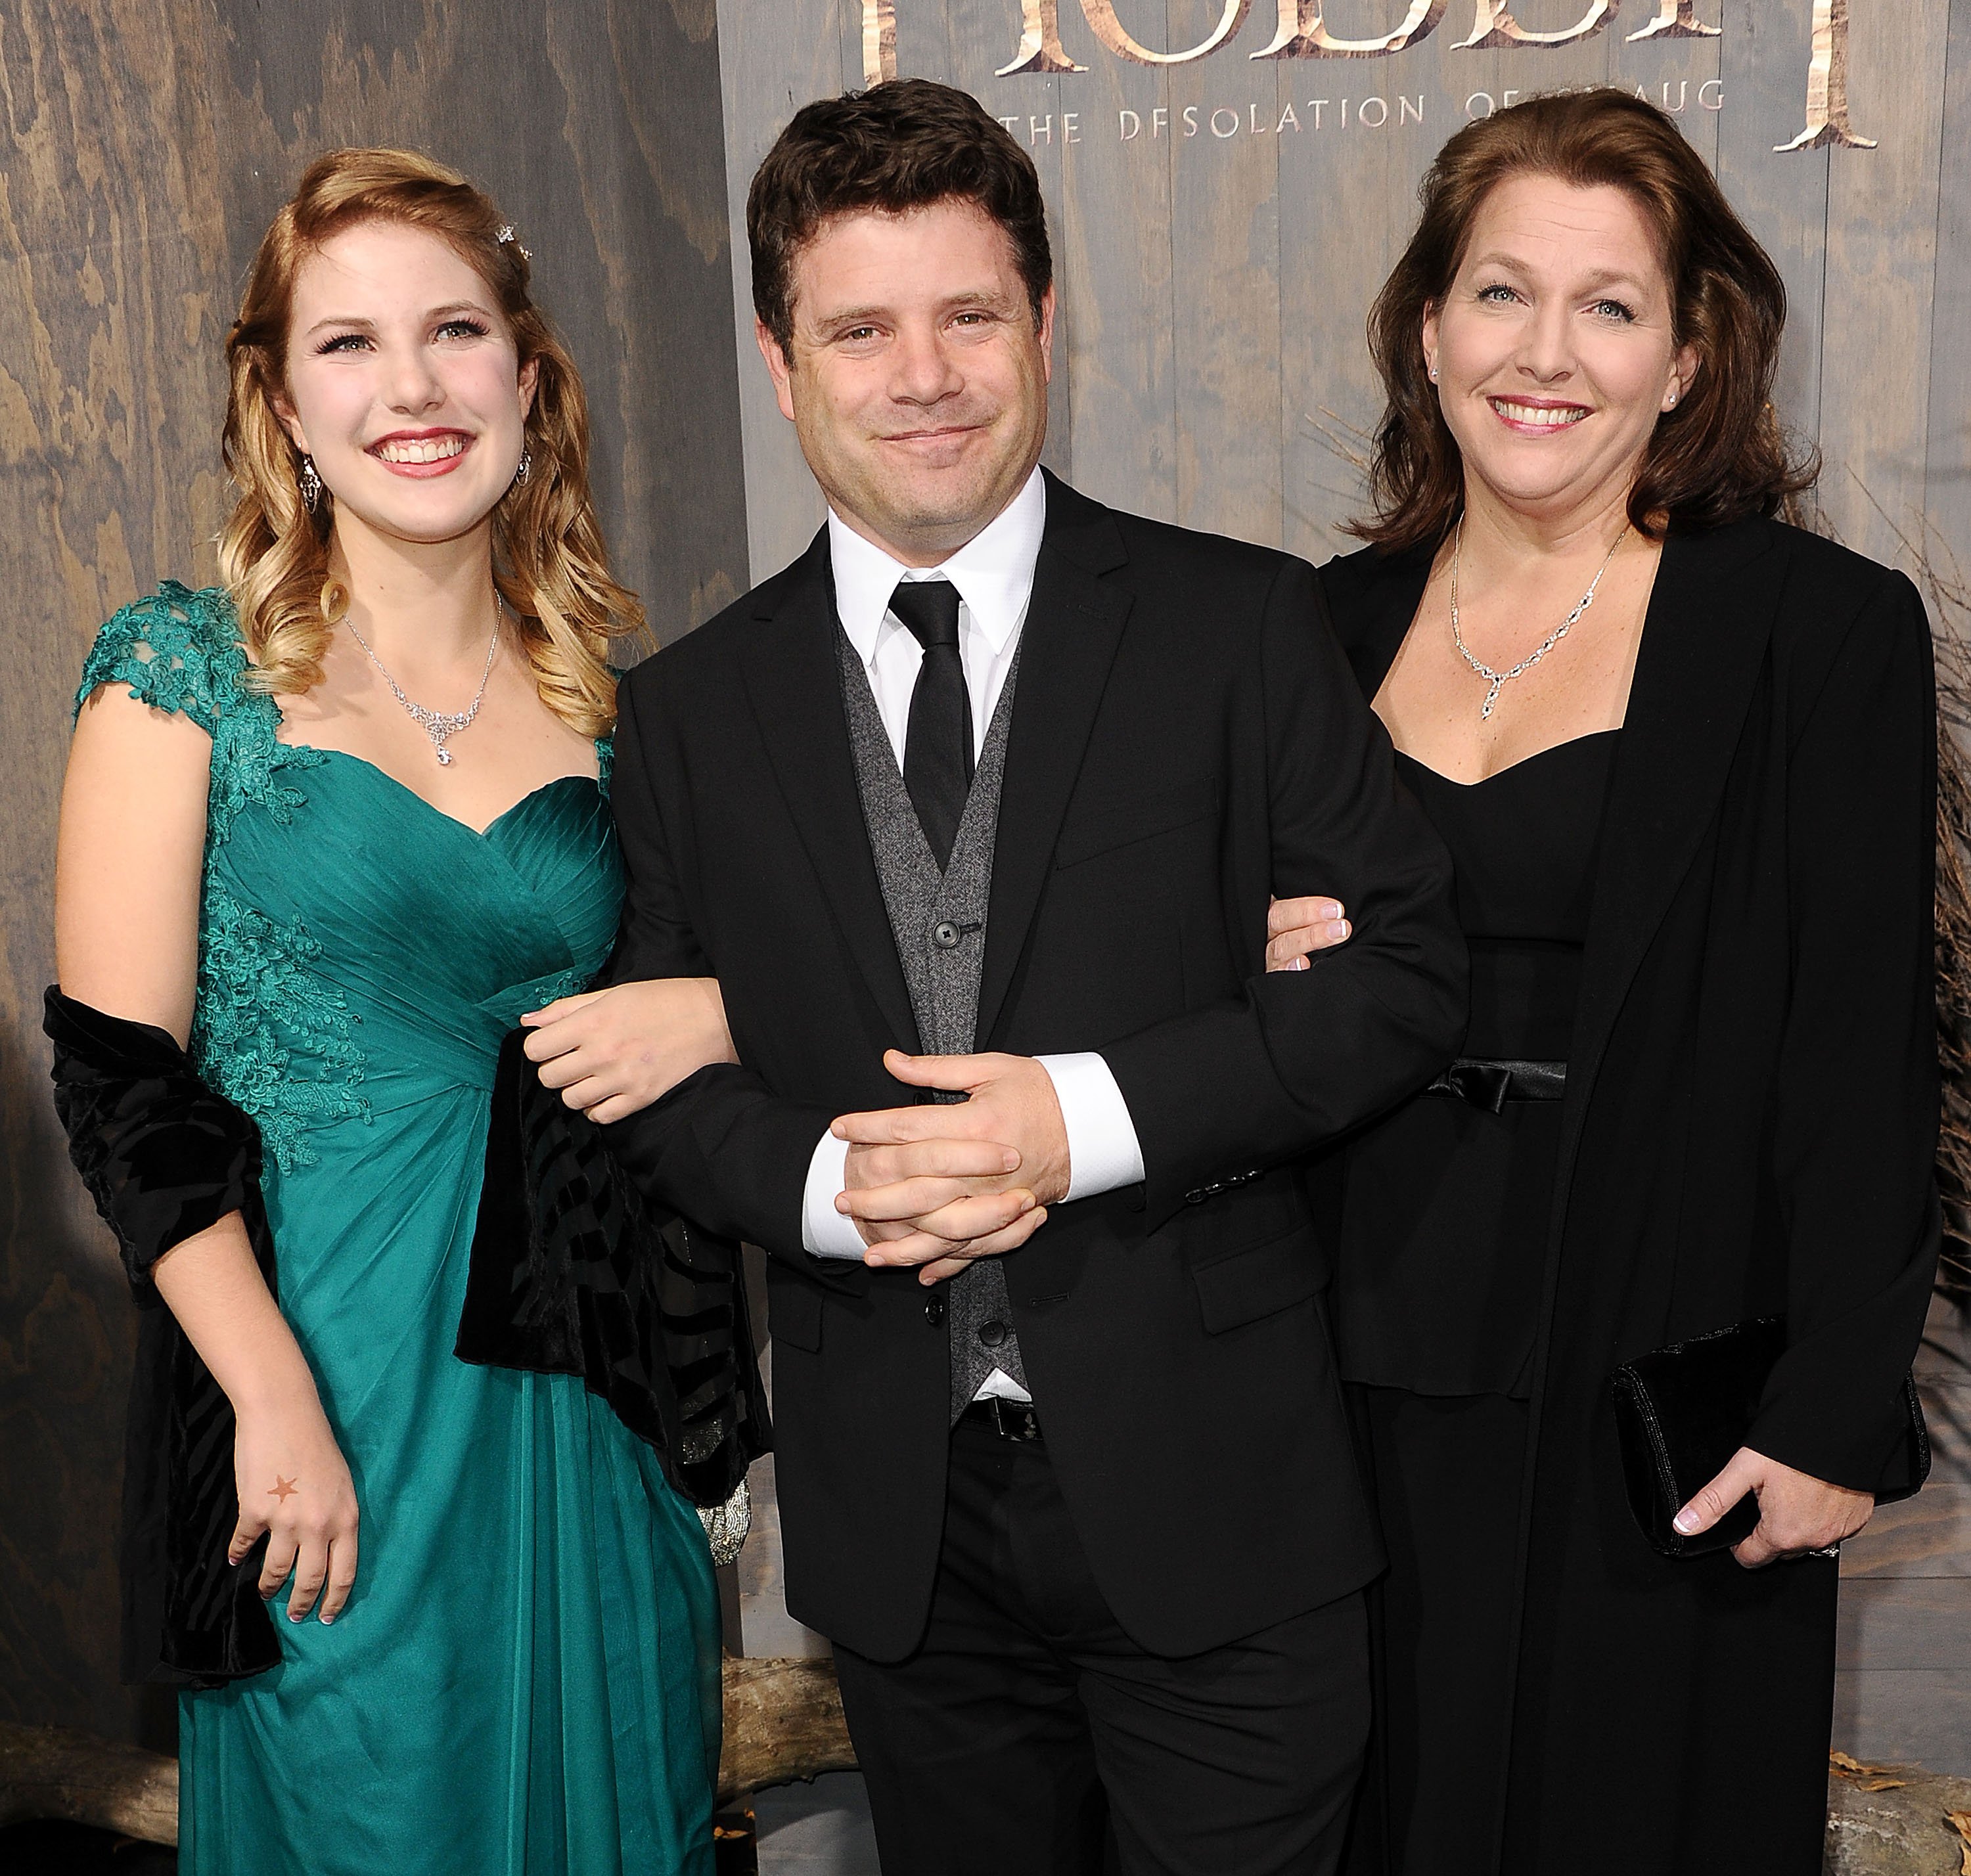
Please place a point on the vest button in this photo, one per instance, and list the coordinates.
(993, 1333)
(934, 1311)
(945, 935)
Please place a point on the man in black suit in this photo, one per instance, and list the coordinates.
(1063, 1466)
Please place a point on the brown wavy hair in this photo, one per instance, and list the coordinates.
(1720, 455)
(548, 556)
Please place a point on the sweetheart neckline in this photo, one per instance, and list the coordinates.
(404, 788)
(1451, 781)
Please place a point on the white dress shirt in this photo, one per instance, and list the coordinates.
(994, 574)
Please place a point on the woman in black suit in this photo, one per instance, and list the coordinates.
(1683, 756)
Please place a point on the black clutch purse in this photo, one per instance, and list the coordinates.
(1682, 1411)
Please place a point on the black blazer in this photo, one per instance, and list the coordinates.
(1749, 1129)
(1186, 738)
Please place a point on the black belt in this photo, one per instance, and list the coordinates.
(1490, 1085)
(1011, 1419)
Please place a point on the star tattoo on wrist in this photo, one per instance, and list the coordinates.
(282, 1488)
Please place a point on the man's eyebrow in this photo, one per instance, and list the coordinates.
(854, 316)
(985, 297)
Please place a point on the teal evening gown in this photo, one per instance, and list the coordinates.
(526, 1679)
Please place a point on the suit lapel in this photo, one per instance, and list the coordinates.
(1074, 622)
(1705, 638)
(794, 682)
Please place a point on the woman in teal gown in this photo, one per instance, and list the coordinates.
(524, 1676)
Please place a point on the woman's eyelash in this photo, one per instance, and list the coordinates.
(1622, 311)
(343, 341)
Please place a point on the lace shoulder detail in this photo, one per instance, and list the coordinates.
(177, 650)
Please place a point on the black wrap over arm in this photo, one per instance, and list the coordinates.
(165, 1158)
(575, 1272)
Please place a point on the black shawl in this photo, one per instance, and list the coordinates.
(571, 1273)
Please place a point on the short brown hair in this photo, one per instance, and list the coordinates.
(1720, 455)
(549, 560)
(897, 147)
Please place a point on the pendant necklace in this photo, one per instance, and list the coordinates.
(437, 725)
(1496, 679)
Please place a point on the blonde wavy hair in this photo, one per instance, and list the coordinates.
(548, 557)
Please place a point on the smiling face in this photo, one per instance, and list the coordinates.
(918, 380)
(403, 383)
(1553, 350)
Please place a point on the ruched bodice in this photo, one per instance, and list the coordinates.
(526, 1676)
(433, 958)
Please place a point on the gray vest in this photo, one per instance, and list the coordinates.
(938, 922)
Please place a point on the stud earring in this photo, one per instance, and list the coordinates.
(310, 482)
(1433, 374)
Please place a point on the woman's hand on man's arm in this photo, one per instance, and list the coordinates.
(1297, 927)
(612, 1052)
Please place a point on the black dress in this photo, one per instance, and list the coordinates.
(1444, 1212)
(1748, 1129)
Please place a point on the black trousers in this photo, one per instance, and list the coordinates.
(1027, 1727)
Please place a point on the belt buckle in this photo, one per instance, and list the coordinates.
(1012, 1419)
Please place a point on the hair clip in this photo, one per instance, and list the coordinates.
(507, 234)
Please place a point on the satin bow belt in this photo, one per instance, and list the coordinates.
(1490, 1085)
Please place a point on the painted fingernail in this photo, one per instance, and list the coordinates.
(1338, 930)
(1008, 1160)
(1298, 964)
(327, 1621)
(1686, 1521)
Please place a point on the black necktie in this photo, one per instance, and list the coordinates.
(937, 749)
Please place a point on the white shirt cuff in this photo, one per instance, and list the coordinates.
(1103, 1151)
(825, 1232)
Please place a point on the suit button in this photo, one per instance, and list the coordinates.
(945, 935)
(993, 1333)
(934, 1311)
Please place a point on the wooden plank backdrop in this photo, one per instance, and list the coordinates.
(146, 144)
(1222, 221)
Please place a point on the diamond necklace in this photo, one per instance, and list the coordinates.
(1496, 679)
(437, 725)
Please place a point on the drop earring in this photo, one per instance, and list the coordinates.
(525, 469)
(310, 483)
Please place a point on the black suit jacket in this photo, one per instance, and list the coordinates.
(1186, 738)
